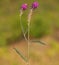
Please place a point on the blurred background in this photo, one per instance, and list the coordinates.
(44, 26)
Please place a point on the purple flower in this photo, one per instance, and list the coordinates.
(35, 5)
(24, 6)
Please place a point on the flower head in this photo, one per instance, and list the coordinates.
(35, 5)
(24, 6)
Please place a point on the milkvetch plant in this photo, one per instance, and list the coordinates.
(23, 8)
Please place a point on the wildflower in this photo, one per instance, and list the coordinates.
(35, 5)
(24, 6)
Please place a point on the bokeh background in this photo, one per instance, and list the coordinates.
(44, 26)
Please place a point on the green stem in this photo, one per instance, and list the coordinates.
(21, 13)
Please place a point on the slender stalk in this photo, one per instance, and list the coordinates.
(21, 13)
(28, 41)
(29, 18)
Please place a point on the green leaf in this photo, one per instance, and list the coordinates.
(38, 41)
(18, 52)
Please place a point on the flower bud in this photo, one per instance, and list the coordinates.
(24, 6)
(35, 5)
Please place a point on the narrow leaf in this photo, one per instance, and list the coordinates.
(38, 41)
(18, 52)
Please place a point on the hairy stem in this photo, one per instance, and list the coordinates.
(29, 18)
(21, 13)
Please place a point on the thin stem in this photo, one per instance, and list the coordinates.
(28, 41)
(29, 18)
(21, 13)
(26, 32)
